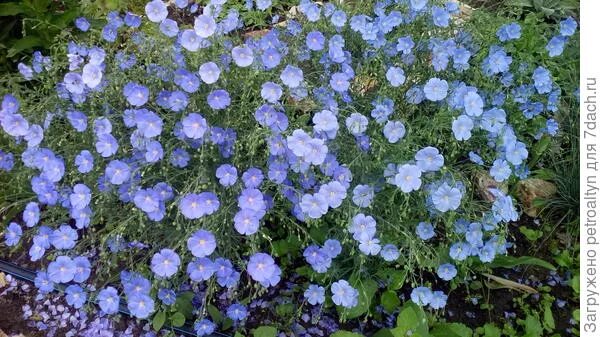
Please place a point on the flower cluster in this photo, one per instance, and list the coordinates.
(223, 143)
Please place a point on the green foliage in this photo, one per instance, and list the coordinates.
(28, 25)
(346, 334)
(451, 330)
(511, 261)
(366, 295)
(158, 321)
(412, 321)
(265, 331)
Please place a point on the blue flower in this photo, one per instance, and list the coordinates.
(509, 31)
(202, 243)
(446, 271)
(441, 17)
(271, 92)
(61, 270)
(343, 294)
(556, 45)
(64, 237)
(84, 161)
(394, 131)
(473, 104)
(136, 94)
(262, 5)
(425, 230)
(438, 300)
(31, 214)
(204, 327)
(395, 76)
(167, 296)
(75, 296)
(194, 126)
(363, 195)
(13, 233)
(429, 159)
(315, 40)
(43, 283)
(156, 10)
(83, 269)
(80, 197)
(237, 312)
(421, 296)
(436, 89)
(201, 269)
(568, 26)
(209, 72)
(169, 27)
(140, 305)
(389, 252)
(315, 294)
(446, 198)
(82, 24)
(460, 251)
(165, 263)
(205, 26)
(314, 205)
(118, 172)
(408, 178)
(500, 170)
(291, 76)
(261, 267)
(218, 99)
(242, 56)
(461, 127)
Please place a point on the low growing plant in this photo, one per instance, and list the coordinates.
(166, 163)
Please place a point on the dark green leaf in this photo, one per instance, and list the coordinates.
(390, 301)
(505, 261)
(342, 333)
(24, 44)
(11, 8)
(265, 331)
(215, 313)
(411, 318)
(183, 304)
(159, 320)
(451, 330)
(178, 319)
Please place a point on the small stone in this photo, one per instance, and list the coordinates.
(484, 182)
(532, 189)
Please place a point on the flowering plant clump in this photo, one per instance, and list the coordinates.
(157, 158)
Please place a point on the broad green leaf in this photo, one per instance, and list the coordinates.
(24, 44)
(366, 293)
(548, 318)
(183, 304)
(451, 330)
(178, 319)
(342, 333)
(159, 320)
(411, 320)
(285, 309)
(265, 331)
(490, 330)
(11, 8)
(215, 313)
(389, 300)
(384, 333)
(395, 278)
(574, 282)
(533, 328)
(505, 261)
